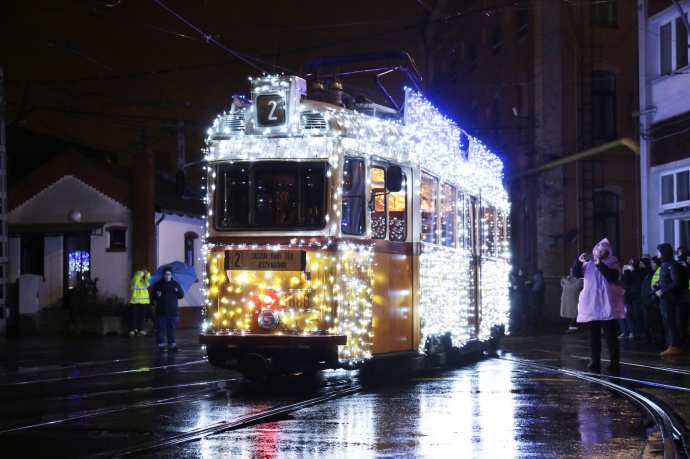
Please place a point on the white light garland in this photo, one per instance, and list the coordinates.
(334, 294)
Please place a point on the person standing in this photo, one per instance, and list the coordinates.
(519, 293)
(668, 289)
(166, 293)
(572, 286)
(684, 297)
(537, 301)
(601, 301)
(631, 280)
(139, 301)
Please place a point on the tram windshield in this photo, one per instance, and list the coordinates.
(270, 195)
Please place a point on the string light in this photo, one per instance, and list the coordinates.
(334, 294)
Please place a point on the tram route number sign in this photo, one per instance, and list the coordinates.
(271, 110)
(265, 260)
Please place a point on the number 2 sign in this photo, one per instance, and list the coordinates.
(271, 110)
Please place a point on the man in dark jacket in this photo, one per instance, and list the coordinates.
(668, 289)
(166, 293)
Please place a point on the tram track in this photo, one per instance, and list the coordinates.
(675, 436)
(101, 375)
(267, 415)
(70, 417)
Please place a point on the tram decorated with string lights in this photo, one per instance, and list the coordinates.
(343, 234)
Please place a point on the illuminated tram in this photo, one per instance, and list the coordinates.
(336, 238)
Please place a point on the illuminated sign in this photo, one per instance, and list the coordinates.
(265, 260)
(271, 110)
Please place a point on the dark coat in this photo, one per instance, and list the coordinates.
(647, 297)
(670, 276)
(167, 302)
(631, 280)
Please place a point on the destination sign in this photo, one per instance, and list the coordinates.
(265, 260)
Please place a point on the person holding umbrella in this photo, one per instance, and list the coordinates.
(166, 293)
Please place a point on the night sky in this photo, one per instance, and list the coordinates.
(102, 73)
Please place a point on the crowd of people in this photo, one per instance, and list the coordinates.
(654, 300)
(646, 299)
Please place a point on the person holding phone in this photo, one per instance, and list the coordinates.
(600, 304)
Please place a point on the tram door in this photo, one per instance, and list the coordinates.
(390, 222)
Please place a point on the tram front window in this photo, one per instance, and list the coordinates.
(271, 195)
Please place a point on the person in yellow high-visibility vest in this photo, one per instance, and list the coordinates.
(139, 301)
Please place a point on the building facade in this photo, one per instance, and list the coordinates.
(550, 86)
(664, 118)
(75, 222)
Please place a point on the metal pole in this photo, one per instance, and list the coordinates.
(624, 141)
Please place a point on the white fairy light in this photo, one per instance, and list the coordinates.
(334, 295)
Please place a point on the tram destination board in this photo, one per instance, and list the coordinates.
(265, 260)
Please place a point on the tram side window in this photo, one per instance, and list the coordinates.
(448, 215)
(429, 185)
(378, 214)
(501, 232)
(354, 182)
(397, 213)
(465, 222)
(488, 231)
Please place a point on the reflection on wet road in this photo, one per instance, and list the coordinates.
(105, 397)
(490, 409)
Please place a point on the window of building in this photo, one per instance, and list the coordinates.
(429, 199)
(521, 23)
(189, 239)
(117, 237)
(677, 231)
(495, 41)
(605, 214)
(673, 46)
(675, 189)
(77, 259)
(603, 105)
(32, 254)
(604, 13)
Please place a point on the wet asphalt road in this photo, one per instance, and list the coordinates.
(69, 396)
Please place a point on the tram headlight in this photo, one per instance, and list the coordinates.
(268, 319)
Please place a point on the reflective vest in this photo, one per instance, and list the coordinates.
(655, 276)
(140, 287)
